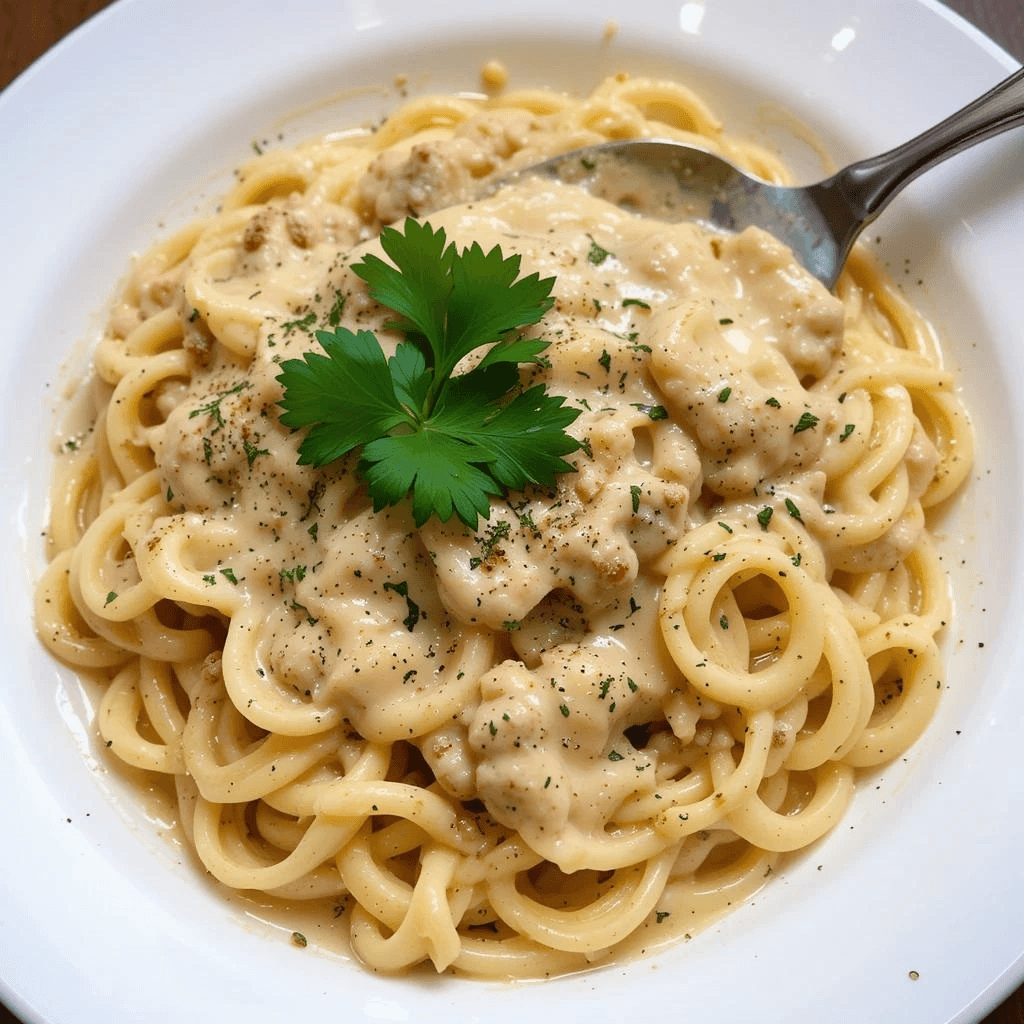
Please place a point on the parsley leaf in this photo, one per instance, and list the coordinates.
(807, 421)
(450, 442)
(439, 471)
(524, 437)
(347, 395)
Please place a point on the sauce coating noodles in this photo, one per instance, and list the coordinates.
(595, 723)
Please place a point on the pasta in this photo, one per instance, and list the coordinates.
(595, 723)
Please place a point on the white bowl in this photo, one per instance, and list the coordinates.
(912, 910)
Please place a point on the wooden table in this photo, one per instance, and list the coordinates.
(29, 27)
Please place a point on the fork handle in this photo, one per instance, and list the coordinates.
(869, 185)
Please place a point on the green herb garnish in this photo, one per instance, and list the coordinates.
(450, 441)
(597, 254)
(252, 453)
(402, 589)
(212, 408)
(806, 422)
(489, 543)
(655, 412)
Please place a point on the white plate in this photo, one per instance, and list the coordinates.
(133, 124)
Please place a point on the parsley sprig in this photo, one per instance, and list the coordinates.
(450, 441)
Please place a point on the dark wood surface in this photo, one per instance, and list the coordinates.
(30, 27)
